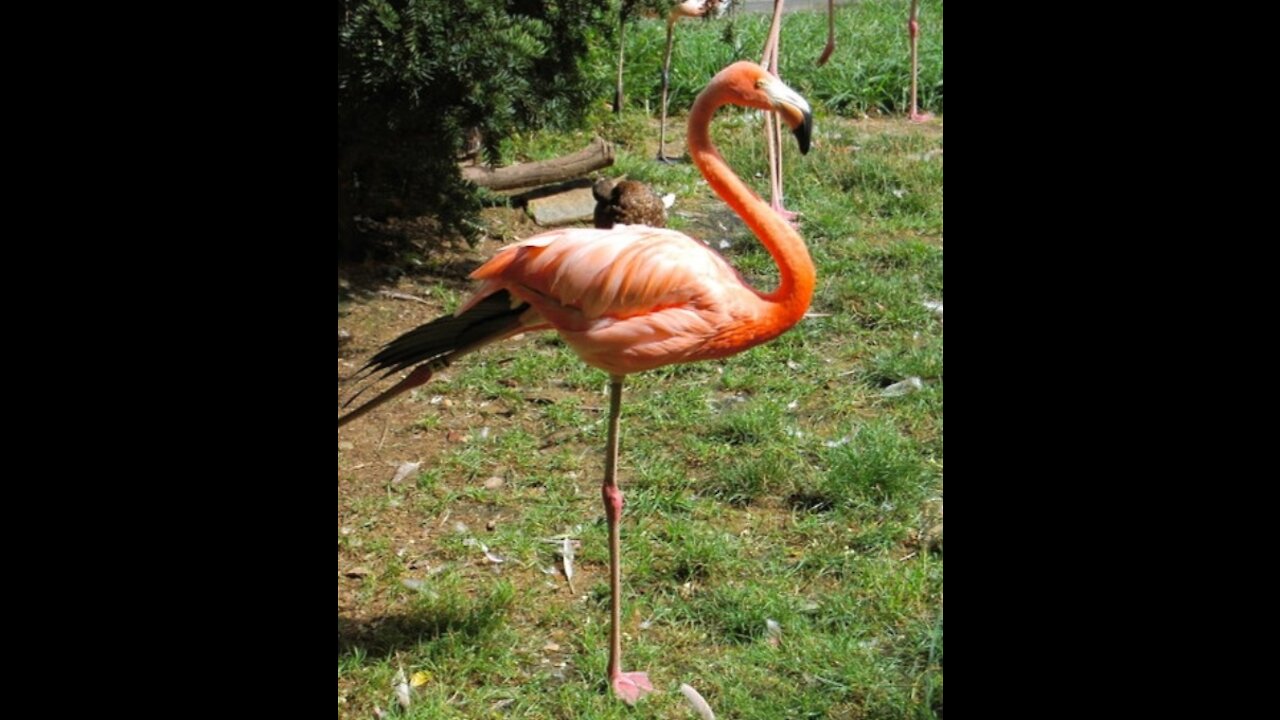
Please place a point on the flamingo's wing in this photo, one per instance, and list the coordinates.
(619, 273)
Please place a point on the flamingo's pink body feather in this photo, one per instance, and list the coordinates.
(628, 299)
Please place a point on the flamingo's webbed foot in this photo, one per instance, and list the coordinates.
(786, 214)
(631, 686)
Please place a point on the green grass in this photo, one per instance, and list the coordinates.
(779, 484)
(869, 71)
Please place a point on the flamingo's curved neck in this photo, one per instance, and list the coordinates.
(791, 300)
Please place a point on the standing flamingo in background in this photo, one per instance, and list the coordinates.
(913, 27)
(772, 130)
(688, 8)
(630, 299)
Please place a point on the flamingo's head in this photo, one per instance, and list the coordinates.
(751, 85)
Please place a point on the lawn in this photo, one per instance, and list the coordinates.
(781, 538)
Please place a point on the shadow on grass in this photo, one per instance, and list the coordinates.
(469, 619)
(367, 277)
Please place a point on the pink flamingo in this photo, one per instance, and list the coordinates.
(688, 8)
(630, 299)
(772, 130)
(914, 28)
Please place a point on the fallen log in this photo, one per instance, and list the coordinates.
(593, 157)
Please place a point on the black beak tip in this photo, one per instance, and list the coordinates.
(803, 133)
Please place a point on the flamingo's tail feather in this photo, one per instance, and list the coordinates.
(435, 345)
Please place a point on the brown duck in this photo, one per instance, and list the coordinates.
(627, 202)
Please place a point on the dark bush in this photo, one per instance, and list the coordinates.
(415, 76)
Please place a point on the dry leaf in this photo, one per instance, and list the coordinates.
(491, 557)
(909, 385)
(405, 469)
(358, 572)
(419, 679)
(773, 631)
(566, 552)
(402, 296)
(700, 706)
(402, 690)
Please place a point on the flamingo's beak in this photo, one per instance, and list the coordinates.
(793, 109)
(803, 131)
